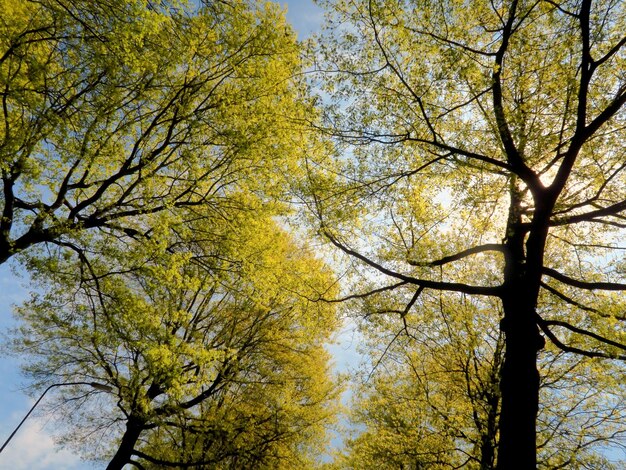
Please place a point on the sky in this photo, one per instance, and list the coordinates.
(33, 448)
(305, 16)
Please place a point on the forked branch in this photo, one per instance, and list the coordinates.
(425, 283)
(545, 327)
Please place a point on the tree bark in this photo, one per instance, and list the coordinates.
(489, 441)
(134, 428)
(519, 383)
(519, 387)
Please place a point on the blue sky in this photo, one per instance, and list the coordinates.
(33, 448)
(304, 15)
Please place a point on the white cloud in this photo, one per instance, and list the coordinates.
(32, 448)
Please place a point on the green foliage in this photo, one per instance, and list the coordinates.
(145, 151)
(476, 172)
(428, 396)
(415, 109)
(219, 355)
(480, 145)
(117, 110)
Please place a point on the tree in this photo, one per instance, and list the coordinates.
(486, 134)
(429, 396)
(215, 357)
(117, 110)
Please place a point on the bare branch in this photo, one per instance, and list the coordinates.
(611, 52)
(169, 463)
(365, 294)
(582, 331)
(428, 284)
(559, 344)
(611, 286)
(512, 152)
(576, 304)
(612, 210)
(451, 42)
(462, 254)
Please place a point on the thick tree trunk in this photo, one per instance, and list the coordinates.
(519, 382)
(5, 250)
(519, 386)
(134, 427)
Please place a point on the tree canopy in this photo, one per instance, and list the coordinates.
(466, 155)
(113, 111)
(145, 152)
(428, 397)
(208, 363)
(484, 136)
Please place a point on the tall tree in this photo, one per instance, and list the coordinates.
(486, 134)
(116, 110)
(429, 398)
(214, 356)
(143, 151)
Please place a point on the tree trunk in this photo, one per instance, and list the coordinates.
(489, 441)
(5, 253)
(519, 382)
(487, 455)
(134, 427)
(519, 386)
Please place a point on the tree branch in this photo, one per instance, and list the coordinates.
(576, 304)
(365, 294)
(460, 255)
(582, 331)
(559, 344)
(428, 284)
(169, 463)
(611, 286)
(514, 157)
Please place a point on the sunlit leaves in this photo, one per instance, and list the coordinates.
(112, 114)
(226, 338)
